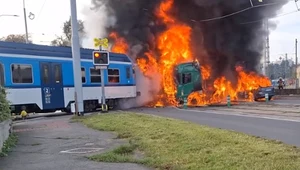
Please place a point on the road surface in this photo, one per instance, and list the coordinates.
(55, 143)
(287, 100)
(283, 130)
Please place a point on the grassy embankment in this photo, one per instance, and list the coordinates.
(174, 144)
(8, 144)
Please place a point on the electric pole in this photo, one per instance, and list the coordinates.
(267, 47)
(286, 66)
(78, 96)
(296, 63)
(25, 20)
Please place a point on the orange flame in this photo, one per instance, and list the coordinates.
(120, 45)
(174, 45)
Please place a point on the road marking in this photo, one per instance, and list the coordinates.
(242, 115)
(83, 150)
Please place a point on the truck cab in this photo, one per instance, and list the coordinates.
(188, 79)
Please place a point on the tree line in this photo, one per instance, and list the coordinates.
(63, 40)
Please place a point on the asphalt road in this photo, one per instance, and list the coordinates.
(55, 143)
(283, 130)
(287, 100)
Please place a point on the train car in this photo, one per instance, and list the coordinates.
(41, 77)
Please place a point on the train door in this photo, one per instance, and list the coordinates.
(1, 75)
(52, 86)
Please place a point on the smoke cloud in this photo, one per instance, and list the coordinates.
(221, 43)
(147, 88)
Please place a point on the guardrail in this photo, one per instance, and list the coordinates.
(287, 91)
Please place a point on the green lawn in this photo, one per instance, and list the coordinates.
(175, 144)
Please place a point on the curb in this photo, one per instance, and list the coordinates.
(46, 115)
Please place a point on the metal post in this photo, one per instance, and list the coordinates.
(76, 106)
(296, 63)
(103, 102)
(286, 66)
(267, 97)
(25, 20)
(76, 57)
(228, 101)
(185, 102)
(104, 106)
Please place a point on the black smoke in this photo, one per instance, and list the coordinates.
(222, 43)
(230, 41)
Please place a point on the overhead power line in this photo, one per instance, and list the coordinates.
(41, 10)
(240, 11)
(288, 13)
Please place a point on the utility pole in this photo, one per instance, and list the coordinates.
(296, 63)
(267, 47)
(25, 20)
(76, 59)
(286, 66)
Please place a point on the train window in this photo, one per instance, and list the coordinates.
(57, 72)
(95, 75)
(186, 78)
(1, 75)
(83, 75)
(45, 78)
(128, 72)
(133, 72)
(21, 73)
(113, 75)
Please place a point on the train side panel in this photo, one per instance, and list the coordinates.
(26, 90)
(123, 88)
(41, 77)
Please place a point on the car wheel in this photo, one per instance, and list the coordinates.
(270, 98)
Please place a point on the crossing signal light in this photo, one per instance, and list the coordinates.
(101, 58)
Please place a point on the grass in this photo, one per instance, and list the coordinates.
(174, 144)
(121, 154)
(9, 144)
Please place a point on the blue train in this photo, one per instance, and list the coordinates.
(41, 77)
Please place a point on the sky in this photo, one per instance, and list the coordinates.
(50, 15)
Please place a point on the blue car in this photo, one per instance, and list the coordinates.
(262, 91)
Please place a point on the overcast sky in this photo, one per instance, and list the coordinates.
(50, 15)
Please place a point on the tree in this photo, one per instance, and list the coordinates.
(4, 105)
(20, 38)
(66, 38)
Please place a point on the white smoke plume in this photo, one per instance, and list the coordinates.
(96, 23)
(147, 88)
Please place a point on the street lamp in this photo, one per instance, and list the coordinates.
(8, 15)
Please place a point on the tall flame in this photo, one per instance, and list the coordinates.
(174, 45)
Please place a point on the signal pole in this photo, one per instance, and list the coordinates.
(101, 64)
(76, 59)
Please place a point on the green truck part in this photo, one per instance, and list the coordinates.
(188, 79)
